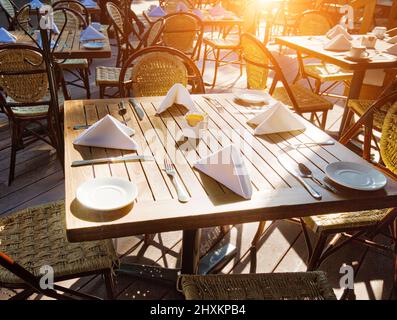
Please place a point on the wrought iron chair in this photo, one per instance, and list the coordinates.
(109, 76)
(260, 62)
(22, 20)
(271, 286)
(154, 70)
(74, 5)
(36, 237)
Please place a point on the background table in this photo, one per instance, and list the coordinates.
(277, 195)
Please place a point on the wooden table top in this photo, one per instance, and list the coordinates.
(277, 194)
(314, 47)
(70, 47)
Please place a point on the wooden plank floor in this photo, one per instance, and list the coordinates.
(39, 179)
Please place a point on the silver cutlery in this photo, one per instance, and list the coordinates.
(308, 144)
(138, 110)
(307, 173)
(287, 166)
(214, 103)
(180, 190)
(81, 126)
(122, 108)
(79, 163)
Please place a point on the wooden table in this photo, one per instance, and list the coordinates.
(313, 46)
(70, 47)
(277, 194)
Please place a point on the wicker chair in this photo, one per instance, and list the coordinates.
(154, 70)
(10, 9)
(312, 23)
(36, 237)
(272, 286)
(74, 5)
(259, 63)
(368, 223)
(109, 76)
(79, 68)
(22, 19)
(183, 31)
(25, 98)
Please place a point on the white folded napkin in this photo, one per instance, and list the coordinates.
(392, 50)
(35, 4)
(6, 37)
(339, 43)
(178, 94)
(392, 40)
(157, 12)
(90, 33)
(89, 3)
(337, 30)
(217, 10)
(181, 7)
(227, 167)
(276, 118)
(107, 133)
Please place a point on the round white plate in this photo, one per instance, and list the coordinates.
(254, 98)
(107, 193)
(356, 176)
(93, 45)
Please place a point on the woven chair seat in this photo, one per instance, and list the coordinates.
(272, 286)
(37, 236)
(109, 75)
(74, 64)
(345, 221)
(360, 106)
(327, 72)
(306, 99)
(34, 111)
(222, 43)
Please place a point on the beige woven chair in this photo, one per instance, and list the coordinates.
(317, 23)
(74, 5)
(109, 76)
(183, 31)
(36, 237)
(25, 98)
(368, 223)
(22, 19)
(9, 8)
(260, 62)
(79, 68)
(271, 286)
(154, 70)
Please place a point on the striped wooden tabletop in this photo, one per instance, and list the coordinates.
(277, 194)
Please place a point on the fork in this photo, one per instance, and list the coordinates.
(180, 190)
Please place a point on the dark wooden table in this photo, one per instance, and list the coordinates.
(313, 46)
(277, 194)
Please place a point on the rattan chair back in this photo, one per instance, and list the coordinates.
(183, 31)
(313, 23)
(74, 5)
(23, 76)
(154, 70)
(22, 19)
(73, 19)
(388, 141)
(153, 35)
(8, 8)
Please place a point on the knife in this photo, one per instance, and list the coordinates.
(287, 166)
(80, 163)
(139, 111)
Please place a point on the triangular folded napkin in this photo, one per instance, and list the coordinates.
(337, 30)
(107, 133)
(157, 12)
(89, 3)
(392, 50)
(181, 7)
(227, 167)
(339, 43)
(178, 94)
(90, 33)
(392, 40)
(276, 118)
(217, 10)
(35, 4)
(6, 37)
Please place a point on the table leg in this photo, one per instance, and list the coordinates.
(354, 93)
(190, 251)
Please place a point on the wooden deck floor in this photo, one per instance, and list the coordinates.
(39, 179)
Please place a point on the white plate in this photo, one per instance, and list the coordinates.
(93, 45)
(254, 98)
(107, 193)
(356, 176)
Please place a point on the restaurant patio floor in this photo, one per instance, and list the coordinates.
(39, 179)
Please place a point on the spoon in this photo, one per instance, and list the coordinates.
(324, 143)
(305, 172)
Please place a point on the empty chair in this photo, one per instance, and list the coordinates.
(9, 8)
(74, 5)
